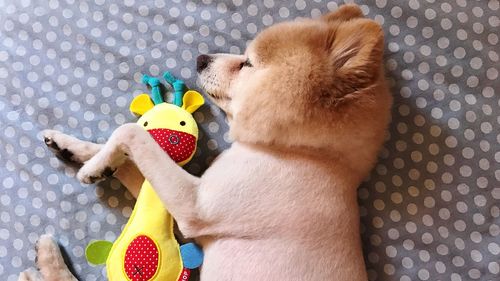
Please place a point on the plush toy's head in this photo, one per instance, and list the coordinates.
(172, 126)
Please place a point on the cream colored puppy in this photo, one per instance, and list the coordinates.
(308, 109)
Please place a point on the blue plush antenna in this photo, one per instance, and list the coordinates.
(178, 86)
(155, 88)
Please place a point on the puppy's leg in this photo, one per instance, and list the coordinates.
(50, 261)
(69, 148)
(130, 177)
(175, 187)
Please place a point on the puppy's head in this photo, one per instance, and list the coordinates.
(303, 84)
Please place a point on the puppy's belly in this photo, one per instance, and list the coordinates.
(274, 259)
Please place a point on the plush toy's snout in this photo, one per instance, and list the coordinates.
(173, 128)
(178, 145)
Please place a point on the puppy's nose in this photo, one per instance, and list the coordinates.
(202, 62)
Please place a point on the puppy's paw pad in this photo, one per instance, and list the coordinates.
(108, 171)
(66, 155)
(50, 143)
(50, 138)
(90, 176)
(59, 144)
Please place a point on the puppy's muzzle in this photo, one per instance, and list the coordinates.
(202, 62)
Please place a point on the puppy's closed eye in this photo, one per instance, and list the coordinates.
(246, 63)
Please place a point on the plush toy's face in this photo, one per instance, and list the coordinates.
(174, 129)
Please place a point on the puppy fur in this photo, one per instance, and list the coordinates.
(308, 109)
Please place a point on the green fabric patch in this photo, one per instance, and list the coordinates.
(97, 252)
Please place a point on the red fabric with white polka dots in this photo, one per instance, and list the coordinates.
(141, 259)
(185, 275)
(178, 145)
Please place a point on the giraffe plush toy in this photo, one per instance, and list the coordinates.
(147, 250)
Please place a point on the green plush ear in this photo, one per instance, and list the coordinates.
(141, 104)
(97, 252)
(192, 100)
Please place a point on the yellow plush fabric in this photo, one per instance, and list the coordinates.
(192, 100)
(141, 104)
(149, 218)
(147, 250)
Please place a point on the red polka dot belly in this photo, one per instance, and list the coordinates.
(141, 259)
(178, 145)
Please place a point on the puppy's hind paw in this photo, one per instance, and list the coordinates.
(30, 275)
(47, 250)
(50, 261)
(48, 254)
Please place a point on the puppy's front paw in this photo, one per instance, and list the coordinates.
(59, 143)
(102, 165)
(49, 137)
(89, 175)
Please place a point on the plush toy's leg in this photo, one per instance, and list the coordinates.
(175, 187)
(50, 261)
(74, 150)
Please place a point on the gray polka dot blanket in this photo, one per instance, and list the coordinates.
(430, 210)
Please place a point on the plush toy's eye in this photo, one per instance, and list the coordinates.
(146, 124)
(183, 123)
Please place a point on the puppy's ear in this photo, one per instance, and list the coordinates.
(344, 13)
(356, 50)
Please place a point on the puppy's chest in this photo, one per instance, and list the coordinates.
(241, 185)
(262, 191)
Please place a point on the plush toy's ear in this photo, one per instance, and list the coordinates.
(141, 104)
(192, 100)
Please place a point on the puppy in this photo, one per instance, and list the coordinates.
(308, 109)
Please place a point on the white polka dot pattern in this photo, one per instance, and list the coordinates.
(141, 259)
(429, 210)
(178, 145)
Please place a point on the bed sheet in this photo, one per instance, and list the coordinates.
(430, 209)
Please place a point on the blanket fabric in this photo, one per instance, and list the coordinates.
(430, 210)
